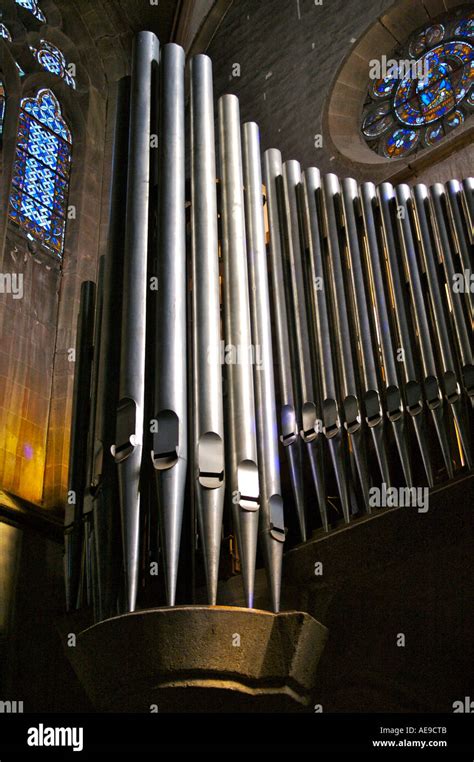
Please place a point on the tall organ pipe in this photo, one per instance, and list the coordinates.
(170, 437)
(292, 443)
(403, 336)
(359, 301)
(430, 380)
(342, 343)
(209, 484)
(308, 418)
(324, 368)
(242, 463)
(393, 397)
(272, 528)
(128, 446)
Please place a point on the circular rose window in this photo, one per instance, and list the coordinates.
(425, 91)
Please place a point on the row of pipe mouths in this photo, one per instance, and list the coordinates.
(345, 313)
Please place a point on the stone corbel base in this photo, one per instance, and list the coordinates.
(200, 659)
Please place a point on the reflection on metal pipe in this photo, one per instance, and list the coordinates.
(468, 206)
(393, 400)
(323, 366)
(74, 526)
(242, 467)
(411, 386)
(272, 528)
(445, 353)
(89, 554)
(360, 299)
(127, 449)
(104, 482)
(342, 342)
(207, 373)
(431, 386)
(462, 333)
(273, 171)
(170, 437)
(307, 413)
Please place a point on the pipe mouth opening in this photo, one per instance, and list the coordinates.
(288, 425)
(331, 422)
(452, 389)
(414, 399)
(165, 453)
(210, 460)
(373, 408)
(432, 392)
(126, 438)
(248, 485)
(351, 414)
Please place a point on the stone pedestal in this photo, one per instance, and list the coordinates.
(200, 659)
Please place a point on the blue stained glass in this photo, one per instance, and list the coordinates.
(429, 37)
(433, 134)
(419, 102)
(383, 87)
(32, 6)
(455, 119)
(45, 108)
(429, 103)
(400, 142)
(51, 59)
(465, 28)
(38, 200)
(5, 33)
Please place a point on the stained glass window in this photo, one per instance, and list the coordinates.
(5, 33)
(2, 106)
(427, 92)
(32, 5)
(38, 199)
(51, 59)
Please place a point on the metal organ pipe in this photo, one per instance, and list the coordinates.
(292, 443)
(128, 446)
(170, 437)
(242, 464)
(208, 408)
(272, 527)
